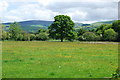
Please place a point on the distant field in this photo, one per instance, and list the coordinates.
(37, 59)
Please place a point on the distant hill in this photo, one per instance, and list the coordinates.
(34, 25)
(103, 22)
(96, 24)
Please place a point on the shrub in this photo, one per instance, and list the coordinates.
(26, 37)
(81, 32)
(32, 37)
(42, 36)
(20, 37)
(71, 36)
(110, 35)
(5, 35)
(89, 36)
(80, 38)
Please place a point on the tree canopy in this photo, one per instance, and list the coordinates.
(116, 27)
(15, 30)
(110, 35)
(62, 28)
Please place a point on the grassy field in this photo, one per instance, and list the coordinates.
(36, 59)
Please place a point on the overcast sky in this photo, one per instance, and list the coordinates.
(82, 11)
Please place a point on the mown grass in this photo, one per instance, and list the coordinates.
(37, 59)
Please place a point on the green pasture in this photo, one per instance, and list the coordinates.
(40, 59)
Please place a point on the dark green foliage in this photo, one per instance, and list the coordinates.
(42, 30)
(62, 28)
(110, 35)
(80, 38)
(106, 32)
(81, 32)
(100, 29)
(14, 30)
(72, 36)
(108, 26)
(116, 27)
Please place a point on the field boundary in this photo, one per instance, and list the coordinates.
(102, 42)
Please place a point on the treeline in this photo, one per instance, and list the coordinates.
(105, 32)
(16, 33)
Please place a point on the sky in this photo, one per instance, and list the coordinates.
(82, 11)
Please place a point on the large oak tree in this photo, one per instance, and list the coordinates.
(62, 28)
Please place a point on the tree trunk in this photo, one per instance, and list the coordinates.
(61, 39)
(61, 35)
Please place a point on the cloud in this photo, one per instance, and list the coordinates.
(65, 5)
(86, 11)
(11, 18)
(78, 10)
(29, 11)
(100, 14)
(3, 8)
(50, 1)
